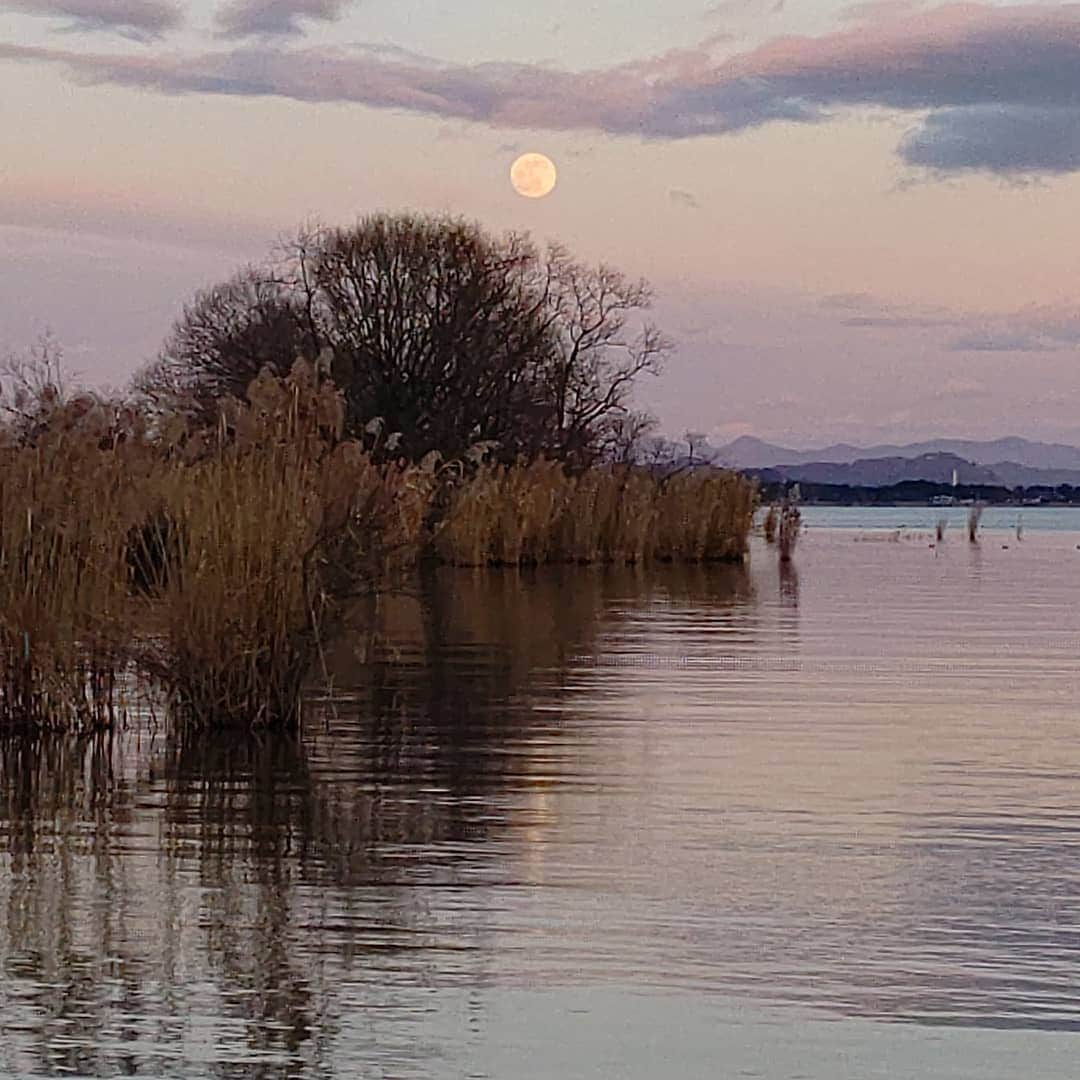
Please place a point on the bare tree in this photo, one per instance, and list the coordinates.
(624, 439)
(225, 337)
(433, 328)
(450, 336)
(33, 388)
(602, 348)
(39, 397)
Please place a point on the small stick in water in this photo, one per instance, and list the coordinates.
(974, 514)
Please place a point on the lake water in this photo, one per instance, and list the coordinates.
(993, 518)
(820, 824)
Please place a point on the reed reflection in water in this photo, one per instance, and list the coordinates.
(585, 822)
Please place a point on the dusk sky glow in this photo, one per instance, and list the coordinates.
(861, 221)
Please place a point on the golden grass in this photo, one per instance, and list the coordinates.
(705, 515)
(276, 530)
(270, 529)
(65, 507)
(215, 568)
(538, 513)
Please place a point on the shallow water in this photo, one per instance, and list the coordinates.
(704, 821)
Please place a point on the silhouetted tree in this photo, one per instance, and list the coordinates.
(225, 337)
(601, 348)
(434, 328)
(450, 336)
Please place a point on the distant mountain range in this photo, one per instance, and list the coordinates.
(880, 472)
(1009, 462)
(750, 453)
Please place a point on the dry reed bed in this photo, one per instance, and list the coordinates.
(536, 513)
(277, 529)
(211, 570)
(65, 507)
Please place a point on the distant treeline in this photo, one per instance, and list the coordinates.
(920, 492)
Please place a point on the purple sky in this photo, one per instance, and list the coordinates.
(861, 221)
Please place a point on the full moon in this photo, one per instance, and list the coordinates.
(533, 175)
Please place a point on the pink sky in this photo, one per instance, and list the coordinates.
(861, 224)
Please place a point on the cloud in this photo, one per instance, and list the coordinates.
(1000, 84)
(874, 10)
(504, 95)
(868, 311)
(998, 341)
(894, 322)
(684, 198)
(728, 9)
(137, 18)
(1061, 326)
(1033, 329)
(997, 138)
(851, 301)
(275, 18)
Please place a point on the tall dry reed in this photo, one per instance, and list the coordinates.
(770, 523)
(788, 532)
(66, 504)
(536, 513)
(276, 529)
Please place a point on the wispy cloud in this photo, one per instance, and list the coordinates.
(684, 198)
(1000, 84)
(850, 301)
(999, 340)
(894, 322)
(1032, 329)
(733, 9)
(1039, 329)
(875, 10)
(866, 311)
(135, 18)
(275, 18)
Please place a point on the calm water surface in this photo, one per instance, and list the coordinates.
(994, 518)
(701, 822)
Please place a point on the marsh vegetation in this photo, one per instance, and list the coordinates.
(195, 547)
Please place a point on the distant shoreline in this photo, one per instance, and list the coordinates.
(923, 493)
